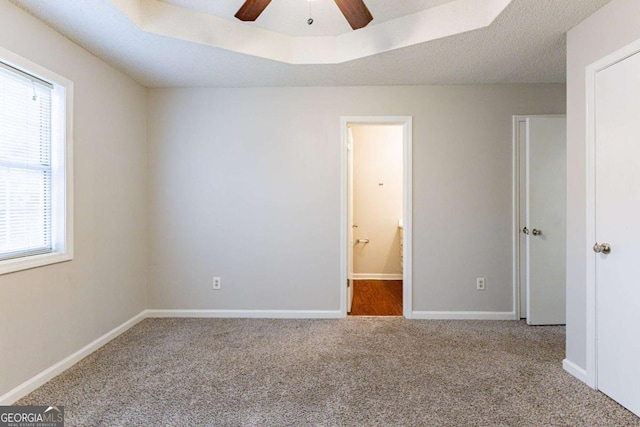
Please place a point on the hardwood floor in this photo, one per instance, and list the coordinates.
(377, 298)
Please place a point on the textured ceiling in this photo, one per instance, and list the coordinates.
(525, 44)
(176, 22)
(290, 16)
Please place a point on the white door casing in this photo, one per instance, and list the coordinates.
(350, 281)
(407, 275)
(520, 216)
(613, 212)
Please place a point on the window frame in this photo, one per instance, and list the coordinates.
(62, 167)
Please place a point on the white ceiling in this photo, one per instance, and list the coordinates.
(525, 44)
(168, 20)
(290, 16)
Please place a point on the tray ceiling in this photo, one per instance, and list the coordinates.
(154, 43)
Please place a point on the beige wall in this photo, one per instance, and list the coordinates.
(377, 158)
(247, 187)
(48, 313)
(609, 29)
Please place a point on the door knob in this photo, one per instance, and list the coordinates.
(536, 232)
(604, 248)
(525, 230)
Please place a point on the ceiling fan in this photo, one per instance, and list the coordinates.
(355, 11)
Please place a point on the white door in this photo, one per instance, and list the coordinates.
(617, 225)
(350, 224)
(546, 220)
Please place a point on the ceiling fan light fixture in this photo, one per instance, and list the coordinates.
(355, 11)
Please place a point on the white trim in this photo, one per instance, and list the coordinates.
(407, 277)
(515, 191)
(591, 315)
(574, 370)
(464, 315)
(407, 221)
(62, 198)
(30, 385)
(32, 261)
(590, 266)
(375, 276)
(248, 314)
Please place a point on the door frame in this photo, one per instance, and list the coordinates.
(590, 256)
(517, 180)
(407, 135)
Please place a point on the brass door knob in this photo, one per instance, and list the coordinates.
(536, 232)
(604, 248)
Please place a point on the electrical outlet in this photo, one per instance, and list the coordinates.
(217, 283)
(480, 283)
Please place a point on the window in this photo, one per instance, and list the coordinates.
(35, 144)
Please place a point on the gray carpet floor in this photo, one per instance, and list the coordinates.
(352, 372)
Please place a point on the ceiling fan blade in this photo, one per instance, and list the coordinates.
(356, 12)
(251, 9)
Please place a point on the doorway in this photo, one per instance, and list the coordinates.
(540, 219)
(613, 207)
(376, 216)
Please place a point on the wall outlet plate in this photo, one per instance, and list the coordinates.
(480, 284)
(217, 283)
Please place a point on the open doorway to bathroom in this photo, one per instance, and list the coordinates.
(376, 220)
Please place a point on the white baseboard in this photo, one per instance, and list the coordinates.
(249, 314)
(373, 276)
(30, 385)
(575, 370)
(464, 315)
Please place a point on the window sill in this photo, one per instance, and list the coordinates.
(33, 261)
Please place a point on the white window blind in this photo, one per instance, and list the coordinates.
(25, 164)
